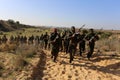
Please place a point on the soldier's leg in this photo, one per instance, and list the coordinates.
(92, 50)
(91, 46)
(63, 44)
(52, 53)
(70, 54)
(66, 48)
(83, 46)
(49, 46)
(71, 58)
(55, 56)
(80, 49)
(71, 51)
(74, 51)
(45, 46)
(56, 51)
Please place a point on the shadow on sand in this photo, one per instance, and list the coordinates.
(111, 69)
(37, 73)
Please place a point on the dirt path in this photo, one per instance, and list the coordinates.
(100, 68)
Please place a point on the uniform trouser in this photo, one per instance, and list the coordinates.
(72, 50)
(41, 43)
(91, 49)
(54, 52)
(49, 45)
(46, 43)
(81, 47)
(66, 48)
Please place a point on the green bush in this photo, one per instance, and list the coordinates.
(105, 35)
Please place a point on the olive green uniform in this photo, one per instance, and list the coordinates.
(54, 39)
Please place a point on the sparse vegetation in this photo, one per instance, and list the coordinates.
(12, 25)
(105, 35)
(26, 51)
(17, 59)
(108, 43)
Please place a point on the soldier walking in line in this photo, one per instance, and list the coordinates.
(45, 38)
(31, 39)
(4, 39)
(37, 40)
(25, 39)
(54, 40)
(64, 41)
(41, 41)
(91, 38)
(82, 42)
(73, 43)
(11, 40)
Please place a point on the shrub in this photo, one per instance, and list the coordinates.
(109, 45)
(18, 62)
(26, 51)
(8, 47)
(105, 35)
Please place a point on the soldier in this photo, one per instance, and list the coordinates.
(4, 39)
(66, 42)
(73, 43)
(54, 40)
(18, 38)
(31, 39)
(91, 38)
(25, 39)
(37, 40)
(60, 41)
(11, 39)
(21, 39)
(41, 41)
(49, 44)
(82, 42)
(45, 38)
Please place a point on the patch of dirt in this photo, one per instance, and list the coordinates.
(101, 67)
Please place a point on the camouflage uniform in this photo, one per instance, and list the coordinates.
(66, 43)
(25, 39)
(81, 43)
(73, 43)
(45, 38)
(41, 41)
(11, 39)
(54, 39)
(60, 42)
(91, 38)
(31, 39)
(4, 39)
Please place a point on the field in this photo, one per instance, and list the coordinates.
(31, 62)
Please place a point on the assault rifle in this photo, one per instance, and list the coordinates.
(95, 36)
(82, 27)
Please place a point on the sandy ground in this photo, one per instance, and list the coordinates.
(101, 67)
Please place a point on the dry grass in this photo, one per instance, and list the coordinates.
(8, 47)
(12, 63)
(14, 58)
(26, 51)
(107, 45)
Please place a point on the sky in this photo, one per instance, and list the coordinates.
(63, 13)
